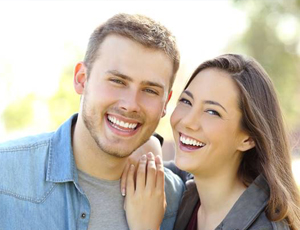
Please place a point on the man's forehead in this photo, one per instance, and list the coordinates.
(125, 56)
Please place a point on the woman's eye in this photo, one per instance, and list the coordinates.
(213, 112)
(185, 101)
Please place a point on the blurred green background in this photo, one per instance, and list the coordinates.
(267, 30)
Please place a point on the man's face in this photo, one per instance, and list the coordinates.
(125, 95)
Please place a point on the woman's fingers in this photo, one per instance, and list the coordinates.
(124, 178)
(150, 175)
(145, 205)
(151, 172)
(141, 174)
(160, 174)
(130, 181)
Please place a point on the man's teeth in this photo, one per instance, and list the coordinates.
(122, 123)
(188, 141)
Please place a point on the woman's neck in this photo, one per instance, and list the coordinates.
(218, 194)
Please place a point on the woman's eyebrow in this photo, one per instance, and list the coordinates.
(210, 102)
(188, 93)
(214, 103)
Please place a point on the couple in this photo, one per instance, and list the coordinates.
(227, 127)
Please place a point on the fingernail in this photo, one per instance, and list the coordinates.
(144, 157)
(149, 155)
(123, 192)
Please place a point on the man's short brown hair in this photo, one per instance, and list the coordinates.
(139, 28)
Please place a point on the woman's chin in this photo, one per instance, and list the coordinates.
(183, 164)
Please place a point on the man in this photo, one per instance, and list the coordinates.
(69, 179)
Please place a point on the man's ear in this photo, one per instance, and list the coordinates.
(165, 107)
(80, 77)
(246, 144)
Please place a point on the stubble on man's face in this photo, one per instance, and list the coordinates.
(91, 120)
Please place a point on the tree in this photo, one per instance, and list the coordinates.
(272, 38)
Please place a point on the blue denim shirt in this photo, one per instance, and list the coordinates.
(39, 185)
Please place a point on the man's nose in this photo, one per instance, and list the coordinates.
(130, 102)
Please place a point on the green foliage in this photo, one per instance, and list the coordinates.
(19, 114)
(22, 113)
(65, 102)
(272, 38)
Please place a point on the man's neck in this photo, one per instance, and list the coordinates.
(91, 159)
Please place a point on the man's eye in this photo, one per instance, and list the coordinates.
(117, 81)
(185, 101)
(213, 112)
(151, 91)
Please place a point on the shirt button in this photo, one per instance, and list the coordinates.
(83, 215)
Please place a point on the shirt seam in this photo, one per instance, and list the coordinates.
(24, 147)
(20, 197)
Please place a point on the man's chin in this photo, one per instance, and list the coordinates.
(119, 155)
(117, 152)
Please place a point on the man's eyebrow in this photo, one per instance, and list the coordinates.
(125, 77)
(215, 103)
(151, 83)
(118, 74)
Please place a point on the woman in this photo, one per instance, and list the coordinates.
(229, 134)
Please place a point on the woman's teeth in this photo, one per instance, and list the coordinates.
(189, 141)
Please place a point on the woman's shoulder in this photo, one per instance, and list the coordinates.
(263, 223)
(281, 225)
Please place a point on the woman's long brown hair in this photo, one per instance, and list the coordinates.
(262, 120)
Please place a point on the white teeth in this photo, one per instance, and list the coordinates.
(122, 123)
(132, 126)
(189, 141)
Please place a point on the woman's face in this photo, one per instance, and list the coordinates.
(206, 125)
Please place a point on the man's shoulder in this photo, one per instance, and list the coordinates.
(23, 166)
(174, 188)
(24, 152)
(25, 143)
(174, 181)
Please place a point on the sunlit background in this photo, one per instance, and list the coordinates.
(41, 41)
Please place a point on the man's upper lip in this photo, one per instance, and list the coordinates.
(125, 119)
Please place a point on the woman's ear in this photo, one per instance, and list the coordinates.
(246, 144)
(80, 77)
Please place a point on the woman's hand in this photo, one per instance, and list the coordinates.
(152, 145)
(145, 201)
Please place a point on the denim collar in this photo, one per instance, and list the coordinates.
(61, 164)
